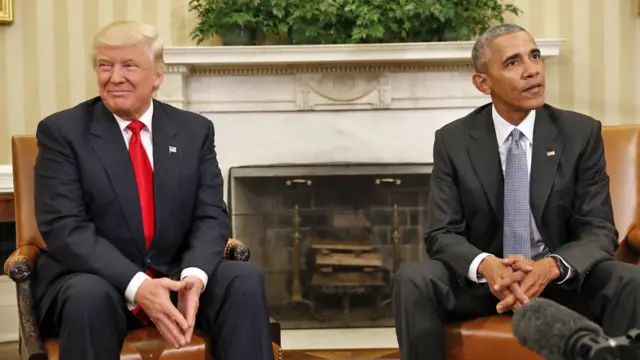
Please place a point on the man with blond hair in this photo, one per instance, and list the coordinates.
(128, 193)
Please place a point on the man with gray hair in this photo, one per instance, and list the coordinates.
(519, 208)
(128, 195)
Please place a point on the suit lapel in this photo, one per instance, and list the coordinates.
(110, 147)
(483, 151)
(167, 157)
(545, 157)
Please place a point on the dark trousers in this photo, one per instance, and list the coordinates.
(426, 296)
(91, 319)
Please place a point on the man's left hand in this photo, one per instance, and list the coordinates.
(188, 302)
(543, 272)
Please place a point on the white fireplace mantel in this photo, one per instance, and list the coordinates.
(332, 54)
(300, 104)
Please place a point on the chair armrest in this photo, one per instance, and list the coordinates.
(236, 250)
(629, 249)
(633, 240)
(19, 266)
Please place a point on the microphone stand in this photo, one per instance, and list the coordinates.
(626, 347)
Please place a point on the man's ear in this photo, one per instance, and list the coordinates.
(159, 77)
(482, 83)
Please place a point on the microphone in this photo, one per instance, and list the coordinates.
(556, 332)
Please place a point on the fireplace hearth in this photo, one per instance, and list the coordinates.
(329, 236)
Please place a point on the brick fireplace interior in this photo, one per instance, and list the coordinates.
(328, 236)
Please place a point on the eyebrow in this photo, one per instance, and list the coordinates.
(517, 55)
(109, 61)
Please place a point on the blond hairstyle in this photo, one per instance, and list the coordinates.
(127, 32)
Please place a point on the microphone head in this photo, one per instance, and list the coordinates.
(547, 327)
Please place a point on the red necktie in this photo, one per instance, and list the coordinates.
(144, 179)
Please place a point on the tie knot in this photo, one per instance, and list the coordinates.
(516, 135)
(135, 126)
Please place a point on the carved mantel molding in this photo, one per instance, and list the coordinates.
(323, 77)
(314, 55)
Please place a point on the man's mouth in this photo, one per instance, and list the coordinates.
(533, 88)
(119, 92)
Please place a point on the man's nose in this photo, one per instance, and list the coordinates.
(531, 69)
(117, 75)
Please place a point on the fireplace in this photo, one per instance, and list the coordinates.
(328, 236)
(315, 126)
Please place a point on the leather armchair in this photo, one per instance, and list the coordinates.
(145, 343)
(482, 338)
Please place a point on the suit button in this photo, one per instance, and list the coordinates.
(148, 260)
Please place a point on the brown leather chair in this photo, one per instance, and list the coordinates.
(144, 343)
(483, 338)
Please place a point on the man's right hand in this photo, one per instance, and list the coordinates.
(497, 273)
(153, 297)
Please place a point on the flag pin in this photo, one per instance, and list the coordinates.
(172, 149)
(551, 153)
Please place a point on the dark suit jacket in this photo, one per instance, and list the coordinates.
(87, 206)
(569, 191)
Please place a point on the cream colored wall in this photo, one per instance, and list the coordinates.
(44, 63)
(598, 70)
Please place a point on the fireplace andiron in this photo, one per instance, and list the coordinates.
(296, 287)
(395, 237)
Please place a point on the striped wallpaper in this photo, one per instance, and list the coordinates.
(44, 62)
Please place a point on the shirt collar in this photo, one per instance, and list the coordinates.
(145, 119)
(504, 128)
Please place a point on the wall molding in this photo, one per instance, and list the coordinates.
(6, 179)
(286, 55)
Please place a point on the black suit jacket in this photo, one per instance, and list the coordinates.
(569, 190)
(87, 205)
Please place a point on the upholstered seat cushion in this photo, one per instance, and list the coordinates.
(486, 338)
(147, 343)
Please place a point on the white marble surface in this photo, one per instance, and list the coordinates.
(364, 338)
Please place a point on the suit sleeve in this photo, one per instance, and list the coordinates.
(594, 237)
(445, 239)
(210, 227)
(62, 218)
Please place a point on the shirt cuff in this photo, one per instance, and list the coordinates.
(570, 272)
(193, 271)
(473, 269)
(132, 288)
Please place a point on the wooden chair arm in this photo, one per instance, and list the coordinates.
(633, 240)
(21, 263)
(19, 267)
(236, 250)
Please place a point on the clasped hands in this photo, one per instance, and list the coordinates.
(176, 324)
(516, 279)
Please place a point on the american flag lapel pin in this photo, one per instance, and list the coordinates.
(551, 153)
(172, 149)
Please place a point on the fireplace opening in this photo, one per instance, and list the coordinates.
(328, 237)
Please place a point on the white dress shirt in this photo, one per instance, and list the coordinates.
(147, 143)
(503, 131)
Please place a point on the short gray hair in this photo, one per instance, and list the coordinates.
(482, 46)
